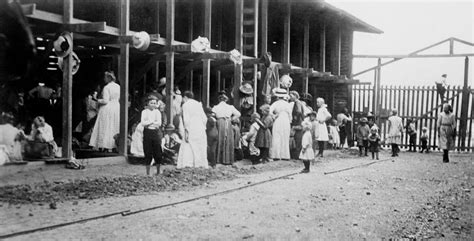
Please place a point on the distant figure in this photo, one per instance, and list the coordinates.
(151, 122)
(395, 129)
(344, 120)
(411, 132)
(334, 135)
(307, 153)
(441, 86)
(374, 142)
(281, 110)
(212, 137)
(363, 132)
(323, 115)
(424, 140)
(264, 136)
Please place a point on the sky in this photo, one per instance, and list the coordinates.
(409, 26)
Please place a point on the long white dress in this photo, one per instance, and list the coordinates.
(108, 119)
(193, 152)
(321, 131)
(280, 148)
(394, 135)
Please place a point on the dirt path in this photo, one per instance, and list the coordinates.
(413, 196)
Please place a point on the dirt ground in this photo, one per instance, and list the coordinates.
(411, 196)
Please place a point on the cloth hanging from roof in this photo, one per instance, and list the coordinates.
(270, 79)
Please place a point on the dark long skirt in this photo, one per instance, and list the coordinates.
(225, 144)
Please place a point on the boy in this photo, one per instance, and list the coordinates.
(363, 132)
(151, 121)
(250, 138)
(411, 131)
(424, 140)
(374, 142)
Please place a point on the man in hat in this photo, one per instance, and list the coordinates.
(441, 86)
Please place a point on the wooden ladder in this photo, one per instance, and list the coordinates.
(250, 36)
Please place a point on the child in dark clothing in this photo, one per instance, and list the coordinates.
(212, 137)
(374, 142)
(263, 140)
(363, 132)
(424, 140)
(151, 121)
(237, 144)
(411, 131)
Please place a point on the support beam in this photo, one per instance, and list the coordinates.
(156, 69)
(287, 33)
(337, 52)
(170, 27)
(306, 53)
(264, 11)
(206, 67)
(408, 56)
(464, 106)
(322, 48)
(190, 73)
(239, 29)
(67, 89)
(123, 70)
(379, 91)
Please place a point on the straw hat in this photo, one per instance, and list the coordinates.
(141, 40)
(200, 45)
(62, 45)
(286, 81)
(363, 120)
(312, 113)
(75, 63)
(235, 56)
(246, 88)
(279, 92)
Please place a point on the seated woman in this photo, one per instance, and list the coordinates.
(41, 142)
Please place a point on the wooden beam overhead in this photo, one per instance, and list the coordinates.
(394, 56)
(85, 27)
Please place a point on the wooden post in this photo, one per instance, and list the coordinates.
(287, 34)
(156, 70)
(322, 48)
(379, 91)
(464, 106)
(190, 39)
(206, 67)
(123, 76)
(336, 53)
(239, 29)
(67, 89)
(264, 11)
(170, 17)
(306, 54)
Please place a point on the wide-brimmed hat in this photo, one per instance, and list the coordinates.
(363, 120)
(76, 62)
(374, 128)
(235, 56)
(246, 88)
(62, 45)
(200, 45)
(279, 92)
(169, 127)
(161, 82)
(141, 40)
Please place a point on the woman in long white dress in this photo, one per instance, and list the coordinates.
(193, 149)
(281, 110)
(321, 132)
(108, 119)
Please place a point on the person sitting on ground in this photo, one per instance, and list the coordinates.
(411, 132)
(41, 132)
(10, 137)
(424, 140)
(251, 136)
(374, 142)
(170, 145)
(363, 132)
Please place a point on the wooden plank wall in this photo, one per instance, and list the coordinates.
(420, 103)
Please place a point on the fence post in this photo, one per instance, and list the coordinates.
(464, 106)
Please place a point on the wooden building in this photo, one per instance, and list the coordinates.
(310, 39)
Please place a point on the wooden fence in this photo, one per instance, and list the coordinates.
(421, 103)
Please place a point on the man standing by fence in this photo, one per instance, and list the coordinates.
(441, 86)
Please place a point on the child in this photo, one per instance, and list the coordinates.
(237, 145)
(424, 140)
(307, 153)
(263, 140)
(212, 137)
(334, 135)
(151, 122)
(170, 144)
(314, 124)
(250, 137)
(411, 131)
(374, 142)
(363, 132)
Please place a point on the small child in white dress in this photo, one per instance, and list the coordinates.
(307, 153)
(334, 139)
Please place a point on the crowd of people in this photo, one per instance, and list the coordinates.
(284, 127)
